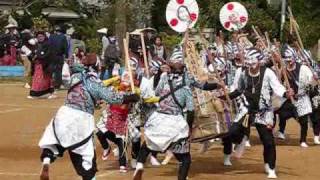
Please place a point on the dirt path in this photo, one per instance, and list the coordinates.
(22, 122)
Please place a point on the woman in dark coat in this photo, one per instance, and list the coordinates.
(42, 86)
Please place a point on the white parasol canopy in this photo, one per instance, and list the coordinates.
(233, 16)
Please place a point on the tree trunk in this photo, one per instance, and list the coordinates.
(318, 52)
(121, 23)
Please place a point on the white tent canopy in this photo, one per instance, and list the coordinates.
(61, 13)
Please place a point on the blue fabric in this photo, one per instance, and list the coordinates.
(86, 88)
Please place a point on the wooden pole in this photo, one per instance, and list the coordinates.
(128, 43)
(284, 73)
(268, 40)
(295, 27)
(278, 73)
(318, 51)
(145, 59)
(127, 59)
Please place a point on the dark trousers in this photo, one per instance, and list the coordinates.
(102, 137)
(236, 134)
(289, 111)
(303, 121)
(57, 75)
(184, 161)
(135, 149)
(76, 160)
(286, 111)
(315, 119)
(269, 147)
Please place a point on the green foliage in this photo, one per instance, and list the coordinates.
(309, 31)
(40, 23)
(267, 18)
(3, 22)
(170, 40)
(93, 45)
(88, 29)
(307, 14)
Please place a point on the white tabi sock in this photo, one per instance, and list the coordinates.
(316, 140)
(139, 166)
(266, 168)
(272, 174)
(227, 160)
(46, 161)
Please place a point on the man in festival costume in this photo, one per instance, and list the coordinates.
(233, 61)
(315, 116)
(73, 126)
(257, 83)
(167, 128)
(300, 77)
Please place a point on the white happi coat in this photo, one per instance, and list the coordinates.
(303, 103)
(270, 85)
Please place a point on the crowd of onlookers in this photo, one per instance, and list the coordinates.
(44, 55)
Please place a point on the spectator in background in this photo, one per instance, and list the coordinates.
(11, 45)
(104, 41)
(4, 39)
(158, 51)
(42, 77)
(110, 52)
(69, 32)
(148, 38)
(158, 57)
(26, 54)
(76, 44)
(59, 44)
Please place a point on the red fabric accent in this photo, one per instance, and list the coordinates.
(9, 59)
(117, 120)
(5, 60)
(13, 53)
(40, 80)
